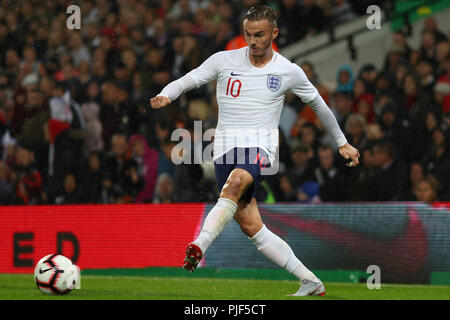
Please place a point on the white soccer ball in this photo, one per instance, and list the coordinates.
(56, 274)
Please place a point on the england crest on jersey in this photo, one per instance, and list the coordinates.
(273, 82)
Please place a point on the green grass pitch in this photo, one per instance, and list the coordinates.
(22, 287)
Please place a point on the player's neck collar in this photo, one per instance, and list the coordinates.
(272, 58)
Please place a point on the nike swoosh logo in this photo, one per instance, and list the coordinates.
(236, 74)
(45, 270)
(403, 256)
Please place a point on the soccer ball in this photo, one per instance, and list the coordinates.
(56, 274)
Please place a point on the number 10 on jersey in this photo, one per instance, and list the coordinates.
(234, 87)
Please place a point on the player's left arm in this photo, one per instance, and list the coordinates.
(328, 119)
(305, 90)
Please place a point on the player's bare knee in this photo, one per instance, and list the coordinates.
(233, 188)
(250, 228)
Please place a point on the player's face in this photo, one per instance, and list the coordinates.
(259, 36)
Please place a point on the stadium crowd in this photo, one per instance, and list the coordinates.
(76, 126)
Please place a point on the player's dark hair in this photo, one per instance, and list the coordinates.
(260, 12)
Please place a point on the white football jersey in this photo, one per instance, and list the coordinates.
(250, 98)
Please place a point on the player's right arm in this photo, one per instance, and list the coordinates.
(172, 91)
(205, 73)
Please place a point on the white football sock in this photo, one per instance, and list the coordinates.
(278, 251)
(215, 221)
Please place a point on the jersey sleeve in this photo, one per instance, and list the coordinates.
(174, 89)
(208, 70)
(306, 91)
(301, 86)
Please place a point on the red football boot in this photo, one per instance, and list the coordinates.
(193, 257)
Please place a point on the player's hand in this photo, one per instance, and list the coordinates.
(159, 102)
(350, 152)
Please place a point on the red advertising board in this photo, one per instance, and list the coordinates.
(97, 236)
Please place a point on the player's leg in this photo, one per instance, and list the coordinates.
(236, 184)
(222, 213)
(275, 248)
(248, 217)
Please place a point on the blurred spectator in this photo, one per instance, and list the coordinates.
(11, 66)
(416, 174)
(115, 164)
(397, 86)
(363, 105)
(29, 63)
(398, 131)
(343, 107)
(26, 105)
(368, 74)
(389, 174)
(31, 134)
(342, 12)
(359, 180)
(300, 164)
(78, 51)
(437, 157)
(71, 193)
(91, 113)
(374, 133)
(314, 18)
(432, 121)
(65, 133)
(287, 192)
(414, 99)
(355, 128)
(441, 97)
(428, 45)
(309, 192)
(383, 98)
(27, 179)
(164, 189)
(309, 136)
(424, 69)
(331, 178)
(92, 179)
(131, 183)
(112, 111)
(399, 40)
(290, 30)
(385, 82)
(345, 79)
(6, 189)
(147, 160)
(426, 190)
(158, 70)
(444, 69)
(430, 25)
(395, 57)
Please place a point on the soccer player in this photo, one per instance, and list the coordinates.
(251, 86)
